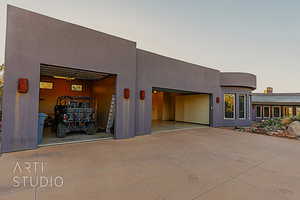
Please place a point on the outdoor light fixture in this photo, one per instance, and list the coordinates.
(142, 94)
(23, 85)
(217, 99)
(126, 93)
(155, 92)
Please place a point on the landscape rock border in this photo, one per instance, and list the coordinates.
(286, 128)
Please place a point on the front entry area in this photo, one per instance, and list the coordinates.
(174, 109)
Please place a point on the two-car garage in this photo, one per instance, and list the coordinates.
(80, 105)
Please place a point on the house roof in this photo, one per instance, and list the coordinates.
(276, 98)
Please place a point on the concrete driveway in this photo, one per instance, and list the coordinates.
(194, 164)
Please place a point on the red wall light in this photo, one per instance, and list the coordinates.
(217, 99)
(23, 85)
(142, 94)
(126, 93)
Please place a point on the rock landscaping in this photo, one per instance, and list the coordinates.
(287, 127)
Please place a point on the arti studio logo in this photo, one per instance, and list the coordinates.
(32, 174)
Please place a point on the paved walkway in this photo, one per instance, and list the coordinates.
(194, 164)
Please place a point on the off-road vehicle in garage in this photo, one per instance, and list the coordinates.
(74, 114)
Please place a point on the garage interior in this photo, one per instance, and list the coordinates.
(173, 109)
(88, 98)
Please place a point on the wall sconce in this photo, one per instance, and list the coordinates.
(142, 94)
(23, 85)
(126, 93)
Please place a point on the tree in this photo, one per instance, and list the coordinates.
(2, 67)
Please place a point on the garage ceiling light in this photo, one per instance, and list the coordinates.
(63, 77)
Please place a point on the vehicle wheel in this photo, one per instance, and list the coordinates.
(112, 130)
(61, 130)
(91, 129)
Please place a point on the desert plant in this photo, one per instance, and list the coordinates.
(271, 125)
(286, 121)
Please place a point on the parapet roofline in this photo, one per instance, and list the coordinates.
(176, 59)
(9, 6)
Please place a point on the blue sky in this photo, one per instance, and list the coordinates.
(261, 37)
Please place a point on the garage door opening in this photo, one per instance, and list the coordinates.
(173, 109)
(76, 105)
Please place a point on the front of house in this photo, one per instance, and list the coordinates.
(47, 59)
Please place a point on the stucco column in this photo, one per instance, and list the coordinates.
(20, 111)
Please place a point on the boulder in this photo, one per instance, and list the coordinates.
(294, 129)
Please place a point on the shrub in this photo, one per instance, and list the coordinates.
(287, 121)
(271, 125)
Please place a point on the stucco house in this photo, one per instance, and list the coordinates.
(46, 58)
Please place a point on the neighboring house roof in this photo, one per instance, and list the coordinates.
(276, 98)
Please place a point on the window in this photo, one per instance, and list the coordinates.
(266, 112)
(276, 111)
(258, 111)
(229, 107)
(249, 107)
(242, 106)
(287, 111)
(46, 85)
(298, 111)
(77, 88)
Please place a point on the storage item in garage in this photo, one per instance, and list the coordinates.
(111, 115)
(42, 118)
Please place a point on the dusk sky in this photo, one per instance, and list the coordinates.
(260, 37)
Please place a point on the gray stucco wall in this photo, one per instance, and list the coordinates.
(238, 79)
(33, 39)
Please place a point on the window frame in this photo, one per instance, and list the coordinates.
(288, 109)
(249, 112)
(245, 106)
(269, 112)
(261, 111)
(273, 107)
(297, 110)
(224, 107)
